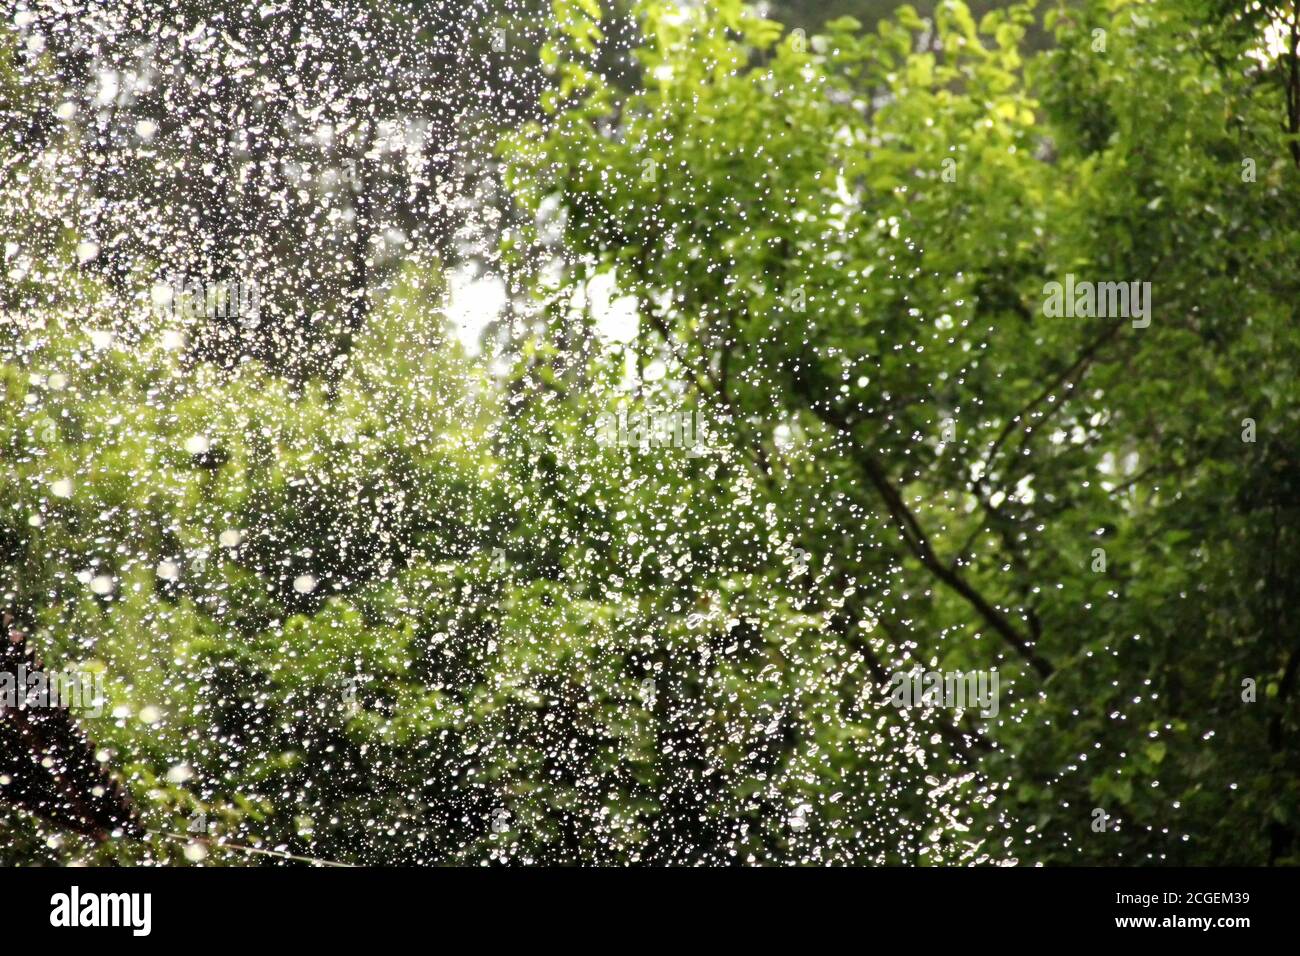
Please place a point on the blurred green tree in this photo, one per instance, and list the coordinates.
(417, 611)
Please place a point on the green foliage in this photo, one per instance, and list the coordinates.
(779, 174)
(420, 614)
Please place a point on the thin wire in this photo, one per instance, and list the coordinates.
(278, 854)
